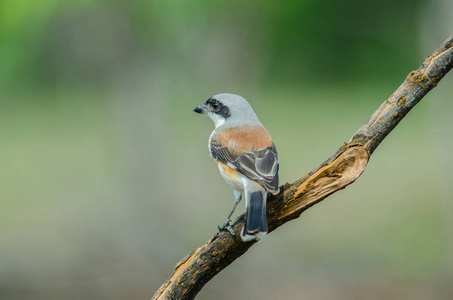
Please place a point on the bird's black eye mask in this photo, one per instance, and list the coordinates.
(218, 108)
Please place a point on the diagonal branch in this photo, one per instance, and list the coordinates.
(342, 169)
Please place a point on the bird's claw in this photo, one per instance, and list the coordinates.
(226, 225)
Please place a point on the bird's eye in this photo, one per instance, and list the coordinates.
(215, 105)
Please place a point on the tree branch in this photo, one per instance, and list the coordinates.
(342, 169)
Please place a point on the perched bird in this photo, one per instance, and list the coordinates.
(246, 157)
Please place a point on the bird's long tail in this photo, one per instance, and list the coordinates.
(255, 216)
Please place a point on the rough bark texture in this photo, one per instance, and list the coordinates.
(342, 169)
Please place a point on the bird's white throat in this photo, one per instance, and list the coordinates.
(218, 120)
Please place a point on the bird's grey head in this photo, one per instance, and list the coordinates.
(228, 109)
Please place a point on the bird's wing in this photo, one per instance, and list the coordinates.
(260, 165)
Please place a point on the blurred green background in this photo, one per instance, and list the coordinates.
(106, 181)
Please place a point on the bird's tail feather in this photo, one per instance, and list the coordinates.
(255, 216)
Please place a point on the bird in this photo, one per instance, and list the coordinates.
(246, 157)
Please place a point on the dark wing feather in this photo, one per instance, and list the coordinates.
(259, 165)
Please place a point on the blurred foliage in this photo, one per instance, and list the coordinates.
(106, 180)
(62, 42)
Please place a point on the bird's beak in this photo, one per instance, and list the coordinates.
(200, 109)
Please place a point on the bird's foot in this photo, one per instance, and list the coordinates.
(226, 225)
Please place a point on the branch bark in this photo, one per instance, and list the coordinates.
(340, 170)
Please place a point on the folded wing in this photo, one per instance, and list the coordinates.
(260, 165)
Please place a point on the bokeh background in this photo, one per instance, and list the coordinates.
(105, 178)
